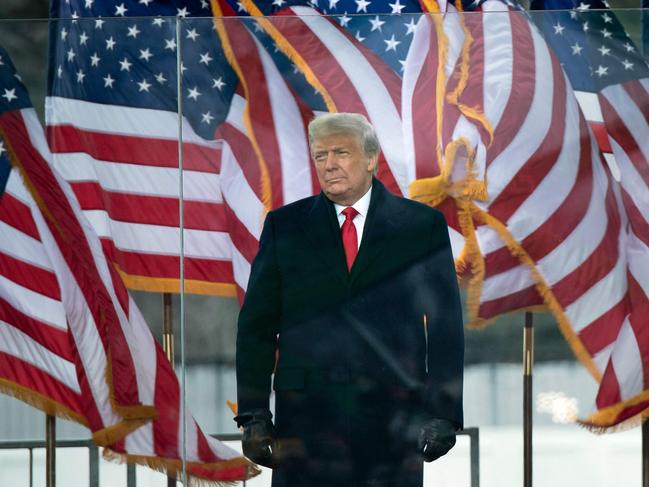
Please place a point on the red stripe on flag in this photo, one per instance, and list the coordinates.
(601, 136)
(132, 149)
(638, 297)
(242, 239)
(205, 453)
(18, 215)
(423, 113)
(167, 394)
(50, 337)
(609, 389)
(27, 375)
(168, 266)
(516, 300)
(603, 331)
(637, 220)
(150, 210)
(41, 281)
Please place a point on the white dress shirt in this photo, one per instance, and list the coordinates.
(361, 206)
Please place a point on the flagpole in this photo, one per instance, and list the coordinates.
(645, 454)
(50, 451)
(168, 346)
(528, 364)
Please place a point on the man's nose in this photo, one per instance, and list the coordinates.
(331, 162)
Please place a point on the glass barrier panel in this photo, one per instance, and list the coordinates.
(136, 200)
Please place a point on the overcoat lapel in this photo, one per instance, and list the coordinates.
(321, 228)
(380, 226)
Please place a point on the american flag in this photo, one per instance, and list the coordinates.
(611, 79)
(72, 340)
(113, 125)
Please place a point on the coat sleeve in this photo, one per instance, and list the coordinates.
(442, 395)
(258, 325)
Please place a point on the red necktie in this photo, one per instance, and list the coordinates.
(350, 239)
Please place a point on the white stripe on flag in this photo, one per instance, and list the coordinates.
(21, 246)
(498, 64)
(138, 179)
(240, 197)
(118, 120)
(35, 305)
(590, 106)
(240, 268)
(415, 60)
(290, 132)
(141, 441)
(157, 239)
(626, 360)
(533, 130)
(18, 344)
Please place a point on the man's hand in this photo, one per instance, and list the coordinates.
(436, 438)
(258, 436)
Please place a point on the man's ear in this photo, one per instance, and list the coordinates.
(373, 164)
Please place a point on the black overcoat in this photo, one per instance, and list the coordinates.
(363, 356)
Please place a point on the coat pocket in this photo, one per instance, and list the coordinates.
(289, 379)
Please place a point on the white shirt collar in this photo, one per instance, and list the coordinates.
(361, 206)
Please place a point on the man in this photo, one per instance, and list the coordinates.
(353, 304)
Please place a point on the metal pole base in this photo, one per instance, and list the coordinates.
(50, 451)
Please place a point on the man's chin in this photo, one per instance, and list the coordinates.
(335, 191)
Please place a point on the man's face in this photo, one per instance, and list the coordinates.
(343, 169)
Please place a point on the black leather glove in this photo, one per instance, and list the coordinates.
(258, 436)
(436, 438)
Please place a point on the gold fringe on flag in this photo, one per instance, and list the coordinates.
(172, 285)
(473, 113)
(39, 401)
(604, 420)
(173, 467)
